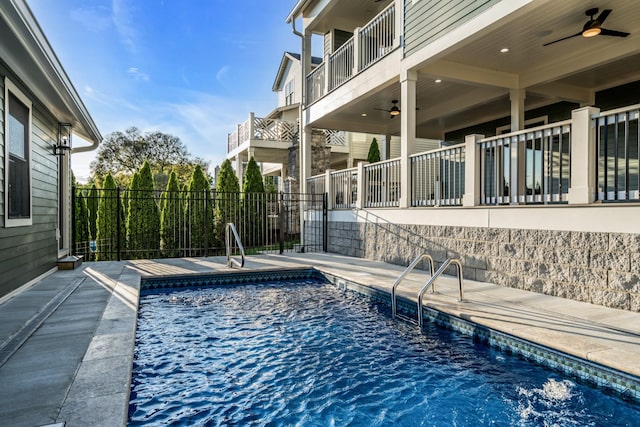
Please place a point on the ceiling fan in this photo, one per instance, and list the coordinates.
(393, 111)
(593, 27)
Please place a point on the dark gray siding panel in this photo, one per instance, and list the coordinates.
(428, 20)
(27, 252)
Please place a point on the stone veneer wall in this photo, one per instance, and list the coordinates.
(599, 268)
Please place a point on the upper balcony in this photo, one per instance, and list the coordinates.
(368, 44)
(269, 137)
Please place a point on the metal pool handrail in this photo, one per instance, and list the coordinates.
(409, 269)
(231, 229)
(432, 281)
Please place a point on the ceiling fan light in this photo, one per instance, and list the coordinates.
(394, 111)
(591, 31)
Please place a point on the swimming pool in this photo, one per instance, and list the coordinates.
(309, 354)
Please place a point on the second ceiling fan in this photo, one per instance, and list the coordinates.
(593, 27)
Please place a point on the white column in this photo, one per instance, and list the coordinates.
(331, 198)
(407, 132)
(583, 156)
(399, 23)
(361, 185)
(472, 189)
(386, 148)
(517, 97)
(305, 157)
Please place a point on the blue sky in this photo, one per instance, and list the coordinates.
(190, 68)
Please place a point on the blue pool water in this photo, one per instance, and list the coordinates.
(310, 355)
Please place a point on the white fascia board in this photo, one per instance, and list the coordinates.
(48, 81)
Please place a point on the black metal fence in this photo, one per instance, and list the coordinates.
(127, 224)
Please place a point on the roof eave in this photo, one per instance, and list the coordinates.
(48, 79)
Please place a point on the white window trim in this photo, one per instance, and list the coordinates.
(9, 87)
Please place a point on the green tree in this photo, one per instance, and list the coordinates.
(81, 227)
(92, 207)
(199, 207)
(253, 205)
(172, 218)
(110, 212)
(227, 198)
(143, 217)
(123, 153)
(374, 152)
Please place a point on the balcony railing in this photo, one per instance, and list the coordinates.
(377, 37)
(341, 64)
(533, 166)
(257, 128)
(368, 45)
(382, 184)
(530, 166)
(335, 137)
(618, 154)
(437, 177)
(344, 185)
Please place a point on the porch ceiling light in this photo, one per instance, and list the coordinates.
(592, 30)
(394, 111)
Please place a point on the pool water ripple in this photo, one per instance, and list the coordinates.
(310, 355)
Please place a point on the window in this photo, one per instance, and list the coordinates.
(289, 92)
(17, 144)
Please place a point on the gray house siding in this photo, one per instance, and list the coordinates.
(29, 251)
(428, 20)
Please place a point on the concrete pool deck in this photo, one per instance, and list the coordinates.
(66, 341)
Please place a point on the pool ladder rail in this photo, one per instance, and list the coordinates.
(230, 230)
(431, 283)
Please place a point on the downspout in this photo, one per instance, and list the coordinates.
(303, 96)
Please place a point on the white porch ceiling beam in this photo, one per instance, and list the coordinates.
(455, 71)
(565, 92)
(572, 64)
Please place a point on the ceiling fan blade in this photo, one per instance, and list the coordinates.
(564, 38)
(381, 109)
(603, 16)
(605, 32)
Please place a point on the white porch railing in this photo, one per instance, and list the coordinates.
(377, 37)
(533, 166)
(369, 44)
(618, 154)
(316, 184)
(341, 64)
(382, 184)
(316, 84)
(257, 128)
(437, 177)
(344, 185)
(530, 166)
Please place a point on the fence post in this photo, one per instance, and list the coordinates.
(325, 221)
(206, 223)
(582, 187)
(118, 237)
(329, 189)
(73, 221)
(360, 192)
(281, 222)
(472, 176)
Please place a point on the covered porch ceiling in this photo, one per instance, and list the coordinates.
(476, 77)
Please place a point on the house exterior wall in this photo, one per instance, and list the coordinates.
(425, 21)
(29, 251)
